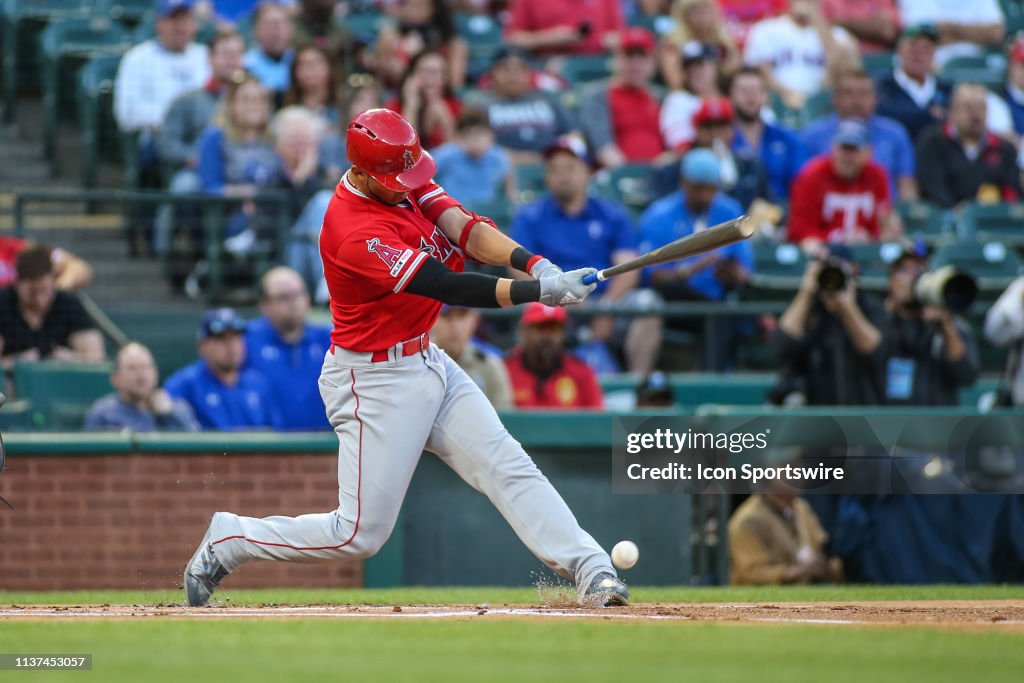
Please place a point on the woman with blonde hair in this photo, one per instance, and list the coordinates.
(696, 21)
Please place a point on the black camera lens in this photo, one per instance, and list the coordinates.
(831, 279)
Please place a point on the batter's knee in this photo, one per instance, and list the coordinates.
(366, 541)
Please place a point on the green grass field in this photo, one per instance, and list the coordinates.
(496, 650)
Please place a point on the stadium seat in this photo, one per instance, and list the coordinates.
(482, 34)
(1013, 14)
(925, 221)
(99, 129)
(128, 13)
(877, 63)
(501, 211)
(629, 184)
(873, 261)
(75, 41)
(994, 264)
(994, 222)
(586, 68)
(23, 20)
(989, 69)
(17, 416)
(529, 182)
(60, 392)
(364, 26)
(778, 260)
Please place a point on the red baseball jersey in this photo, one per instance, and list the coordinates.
(575, 385)
(370, 252)
(828, 207)
(10, 247)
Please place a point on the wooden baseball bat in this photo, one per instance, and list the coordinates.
(729, 232)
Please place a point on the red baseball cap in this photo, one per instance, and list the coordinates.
(537, 313)
(636, 39)
(713, 109)
(1017, 51)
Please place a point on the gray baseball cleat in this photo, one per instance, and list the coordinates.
(203, 574)
(607, 591)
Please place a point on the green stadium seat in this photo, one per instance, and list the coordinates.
(529, 182)
(364, 26)
(99, 129)
(69, 43)
(586, 68)
(1013, 14)
(778, 260)
(925, 221)
(989, 69)
(873, 261)
(877, 63)
(482, 34)
(501, 211)
(629, 184)
(994, 222)
(128, 13)
(17, 416)
(994, 264)
(694, 389)
(61, 392)
(23, 20)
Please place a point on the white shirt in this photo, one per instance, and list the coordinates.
(921, 93)
(795, 53)
(967, 12)
(676, 118)
(150, 77)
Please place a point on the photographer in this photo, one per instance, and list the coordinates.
(933, 351)
(832, 339)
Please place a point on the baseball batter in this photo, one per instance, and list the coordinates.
(394, 246)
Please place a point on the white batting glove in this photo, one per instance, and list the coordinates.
(566, 289)
(544, 268)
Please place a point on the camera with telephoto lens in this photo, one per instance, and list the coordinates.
(947, 287)
(833, 275)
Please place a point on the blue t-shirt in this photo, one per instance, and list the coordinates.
(890, 145)
(274, 74)
(586, 240)
(471, 180)
(223, 162)
(293, 372)
(247, 405)
(782, 154)
(668, 219)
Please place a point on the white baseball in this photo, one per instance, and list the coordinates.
(625, 554)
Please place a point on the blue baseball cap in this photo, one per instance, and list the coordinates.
(852, 133)
(165, 8)
(701, 166)
(220, 321)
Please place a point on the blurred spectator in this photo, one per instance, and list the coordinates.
(542, 373)
(695, 21)
(797, 51)
(621, 122)
(270, 59)
(72, 272)
(312, 83)
(427, 100)
(700, 81)
(1004, 327)
(231, 12)
(842, 196)
(1012, 91)
(155, 72)
(525, 120)
(549, 27)
(223, 394)
(775, 538)
(698, 205)
(933, 353)
(574, 229)
(288, 350)
(779, 150)
(913, 94)
(138, 404)
(741, 15)
(453, 333)
(965, 28)
(472, 167)
(833, 339)
(296, 132)
(875, 23)
(854, 98)
(421, 25)
(963, 160)
(38, 322)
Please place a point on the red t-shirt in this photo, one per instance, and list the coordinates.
(635, 123)
(604, 16)
(573, 386)
(10, 247)
(830, 208)
(370, 252)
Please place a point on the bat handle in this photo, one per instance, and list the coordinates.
(593, 277)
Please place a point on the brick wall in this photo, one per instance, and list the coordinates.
(133, 521)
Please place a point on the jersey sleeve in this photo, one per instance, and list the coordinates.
(380, 257)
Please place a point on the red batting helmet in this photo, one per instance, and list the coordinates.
(386, 146)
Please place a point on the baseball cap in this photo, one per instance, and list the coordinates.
(917, 251)
(695, 52)
(220, 321)
(701, 166)
(165, 8)
(636, 39)
(929, 31)
(537, 313)
(571, 144)
(852, 133)
(713, 109)
(509, 52)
